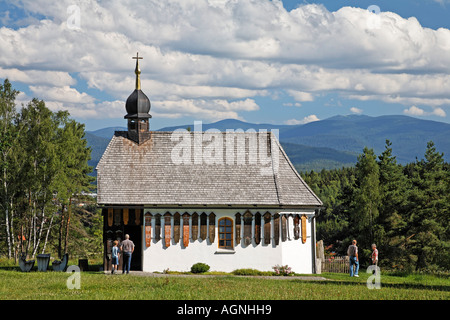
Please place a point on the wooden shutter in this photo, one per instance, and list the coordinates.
(195, 226)
(296, 227)
(148, 229)
(157, 230)
(203, 231)
(304, 228)
(283, 227)
(212, 227)
(257, 228)
(137, 213)
(238, 228)
(267, 227)
(176, 227)
(186, 229)
(117, 217)
(125, 216)
(248, 228)
(110, 217)
(276, 228)
(167, 229)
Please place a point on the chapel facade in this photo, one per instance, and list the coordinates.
(228, 199)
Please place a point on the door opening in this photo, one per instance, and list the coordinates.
(135, 233)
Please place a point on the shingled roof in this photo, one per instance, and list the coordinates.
(150, 173)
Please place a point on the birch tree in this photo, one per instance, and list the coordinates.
(8, 136)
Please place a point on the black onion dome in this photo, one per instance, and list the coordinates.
(138, 105)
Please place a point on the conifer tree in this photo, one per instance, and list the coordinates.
(429, 210)
(366, 201)
(394, 188)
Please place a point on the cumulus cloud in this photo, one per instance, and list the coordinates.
(356, 110)
(211, 58)
(216, 109)
(415, 111)
(307, 119)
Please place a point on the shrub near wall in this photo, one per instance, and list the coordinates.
(199, 268)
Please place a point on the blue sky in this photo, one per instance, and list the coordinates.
(260, 61)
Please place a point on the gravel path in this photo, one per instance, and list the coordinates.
(151, 274)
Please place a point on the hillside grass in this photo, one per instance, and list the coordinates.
(15, 285)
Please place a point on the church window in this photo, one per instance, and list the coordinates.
(226, 233)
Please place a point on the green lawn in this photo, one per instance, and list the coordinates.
(97, 285)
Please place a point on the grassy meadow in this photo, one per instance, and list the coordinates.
(15, 285)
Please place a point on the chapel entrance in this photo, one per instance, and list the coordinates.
(135, 233)
(117, 223)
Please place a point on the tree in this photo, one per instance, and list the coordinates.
(429, 211)
(8, 136)
(394, 188)
(43, 167)
(73, 174)
(39, 169)
(366, 200)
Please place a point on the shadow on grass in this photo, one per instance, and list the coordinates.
(93, 268)
(404, 286)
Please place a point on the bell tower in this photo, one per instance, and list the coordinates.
(138, 108)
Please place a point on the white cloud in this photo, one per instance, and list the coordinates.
(439, 112)
(415, 111)
(209, 109)
(356, 110)
(301, 96)
(63, 94)
(51, 78)
(308, 119)
(290, 104)
(205, 54)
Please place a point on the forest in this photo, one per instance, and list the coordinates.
(403, 209)
(45, 204)
(44, 183)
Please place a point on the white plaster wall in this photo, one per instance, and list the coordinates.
(296, 254)
(261, 257)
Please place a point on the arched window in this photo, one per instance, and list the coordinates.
(226, 233)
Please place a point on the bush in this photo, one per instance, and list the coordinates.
(252, 272)
(283, 270)
(247, 272)
(199, 268)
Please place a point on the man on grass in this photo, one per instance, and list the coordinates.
(127, 248)
(352, 252)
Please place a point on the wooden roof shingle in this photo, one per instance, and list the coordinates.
(219, 170)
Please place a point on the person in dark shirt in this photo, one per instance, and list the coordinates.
(352, 252)
(127, 249)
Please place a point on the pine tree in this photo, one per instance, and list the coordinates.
(394, 188)
(429, 211)
(366, 202)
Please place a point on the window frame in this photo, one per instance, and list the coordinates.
(225, 233)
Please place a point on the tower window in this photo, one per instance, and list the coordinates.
(226, 233)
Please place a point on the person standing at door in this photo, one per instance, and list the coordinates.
(127, 249)
(115, 256)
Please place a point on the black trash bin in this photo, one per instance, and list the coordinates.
(83, 264)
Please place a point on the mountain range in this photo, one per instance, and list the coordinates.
(330, 143)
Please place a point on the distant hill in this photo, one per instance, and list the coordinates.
(234, 124)
(107, 132)
(409, 136)
(330, 143)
